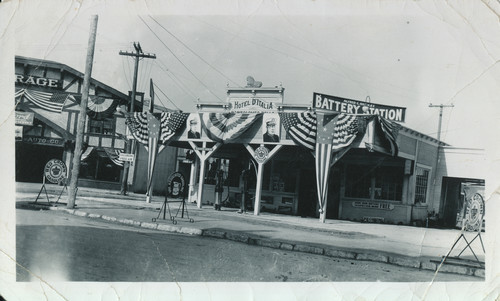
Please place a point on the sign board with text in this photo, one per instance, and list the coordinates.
(24, 118)
(126, 157)
(356, 107)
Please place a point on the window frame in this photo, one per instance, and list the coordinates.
(427, 188)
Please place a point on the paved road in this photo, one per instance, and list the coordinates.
(58, 246)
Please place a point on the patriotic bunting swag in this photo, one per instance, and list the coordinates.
(225, 127)
(149, 131)
(327, 134)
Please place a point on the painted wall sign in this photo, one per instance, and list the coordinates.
(350, 106)
(24, 118)
(175, 185)
(251, 105)
(55, 171)
(43, 140)
(372, 205)
(38, 81)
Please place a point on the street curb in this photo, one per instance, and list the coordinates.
(328, 251)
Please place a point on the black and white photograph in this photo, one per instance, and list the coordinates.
(193, 124)
(271, 128)
(249, 150)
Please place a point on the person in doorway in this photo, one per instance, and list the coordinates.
(270, 135)
(193, 132)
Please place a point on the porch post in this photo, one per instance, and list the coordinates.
(258, 189)
(192, 177)
(201, 181)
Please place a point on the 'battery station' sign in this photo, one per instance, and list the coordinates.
(356, 107)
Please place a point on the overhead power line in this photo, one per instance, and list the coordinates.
(182, 63)
(198, 56)
(167, 97)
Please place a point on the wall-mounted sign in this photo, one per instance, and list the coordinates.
(55, 171)
(126, 157)
(251, 105)
(350, 106)
(24, 118)
(175, 185)
(373, 205)
(43, 141)
(38, 81)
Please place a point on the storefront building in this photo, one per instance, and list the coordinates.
(47, 107)
(371, 179)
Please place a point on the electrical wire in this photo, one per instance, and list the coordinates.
(177, 81)
(198, 56)
(161, 91)
(180, 61)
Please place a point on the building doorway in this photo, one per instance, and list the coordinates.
(31, 160)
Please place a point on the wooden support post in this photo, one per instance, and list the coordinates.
(258, 189)
(260, 172)
(203, 154)
(192, 177)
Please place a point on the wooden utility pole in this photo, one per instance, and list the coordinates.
(83, 115)
(441, 106)
(137, 55)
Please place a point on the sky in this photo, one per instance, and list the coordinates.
(400, 53)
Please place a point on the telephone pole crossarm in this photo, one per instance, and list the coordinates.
(138, 54)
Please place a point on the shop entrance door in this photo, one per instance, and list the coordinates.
(31, 160)
(308, 198)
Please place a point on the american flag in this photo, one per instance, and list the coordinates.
(170, 123)
(113, 155)
(301, 127)
(391, 131)
(53, 102)
(225, 127)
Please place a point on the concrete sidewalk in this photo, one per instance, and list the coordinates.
(414, 247)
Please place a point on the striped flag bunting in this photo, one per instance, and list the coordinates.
(170, 123)
(53, 102)
(225, 127)
(391, 131)
(301, 127)
(384, 135)
(137, 123)
(99, 107)
(345, 131)
(114, 154)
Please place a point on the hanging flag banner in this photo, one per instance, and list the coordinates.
(350, 106)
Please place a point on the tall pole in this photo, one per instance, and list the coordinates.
(138, 54)
(441, 106)
(82, 116)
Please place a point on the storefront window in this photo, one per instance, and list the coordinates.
(380, 183)
(422, 179)
(103, 127)
(389, 183)
(99, 167)
(358, 181)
